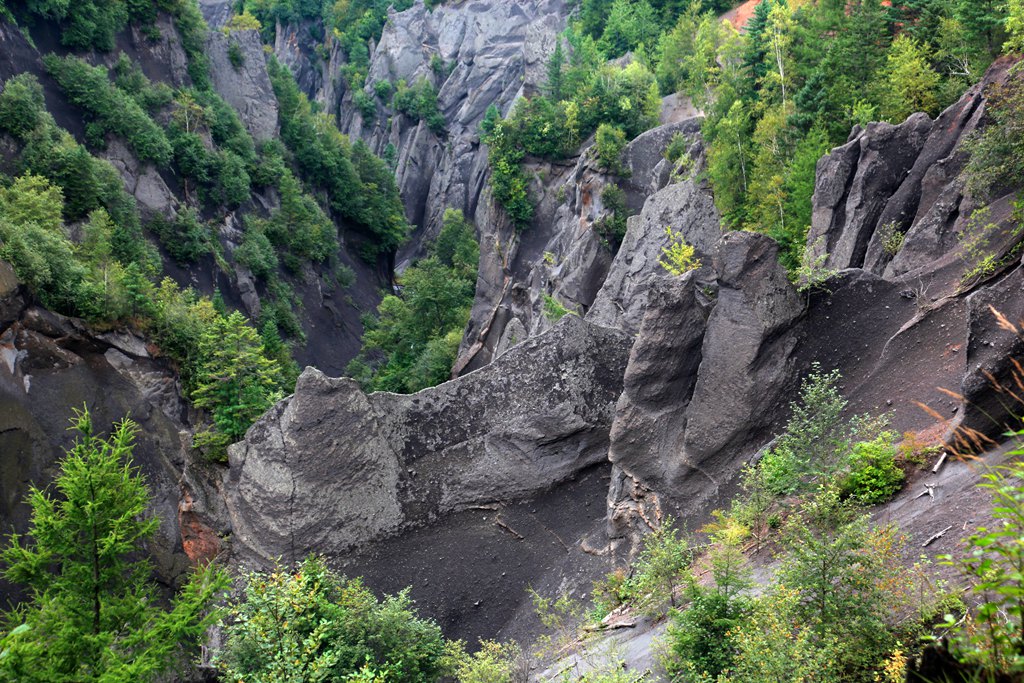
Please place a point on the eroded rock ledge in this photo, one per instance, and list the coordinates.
(332, 467)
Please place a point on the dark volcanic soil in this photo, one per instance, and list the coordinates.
(481, 569)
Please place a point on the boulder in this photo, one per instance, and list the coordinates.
(331, 468)
(686, 207)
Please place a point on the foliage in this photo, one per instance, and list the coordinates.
(813, 273)
(609, 143)
(185, 237)
(234, 379)
(358, 185)
(913, 83)
(106, 276)
(412, 342)
(997, 153)
(493, 662)
(701, 637)
(586, 95)
(244, 21)
(109, 109)
(419, 102)
(677, 147)
(994, 637)
(309, 624)
(128, 78)
(85, 24)
(814, 435)
(553, 309)
(661, 565)
(612, 225)
(21, 105)
(872, 476)
(561, 616)
(92, 611)
(678, 257)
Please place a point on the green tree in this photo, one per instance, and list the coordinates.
(234, 380)
(629, 24)
(609, 143)
(912, 82)
(1014, 28)
(830, 566)
(21, 105)
(995, 565)
(662, 564)
(92, 611)
(982, 21)
(308, 624)
(556, 64)
(456, 245)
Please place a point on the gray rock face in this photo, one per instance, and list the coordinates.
(854, 183)
(246, 88)
(562, 255)
(686, 207)
(492, 53)
(50, 366)
(889, 181)
(707, 379)
(332, 467)
(141, 181)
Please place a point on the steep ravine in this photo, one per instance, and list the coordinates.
(715, 358)
(543, 462)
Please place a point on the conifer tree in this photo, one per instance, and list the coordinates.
(92, 612)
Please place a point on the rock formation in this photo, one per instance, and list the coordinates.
(331, 467)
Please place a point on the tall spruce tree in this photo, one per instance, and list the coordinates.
(92, 612)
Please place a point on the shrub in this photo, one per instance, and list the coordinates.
(678, 257)
(553, 309)
(235, 55)
(993, 637)
(873, 476)
(365, 104)
(612, 226)
(610, 142)
(419, 102)
(308, 623)
(700, 637)
(383, 89)
(255, 252)
(243, 22)
(493, 662)
(677, 147)
(232, 179)
(128, 77)
(185, 237)
(661, 565)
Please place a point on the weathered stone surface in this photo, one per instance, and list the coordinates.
(855, 182)
(246, 88)
(332, 467)
(705, 382)
(993, 385)
(142, 181)
(686, 207)
(50, 366)
(217, 13)
(889, 181)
